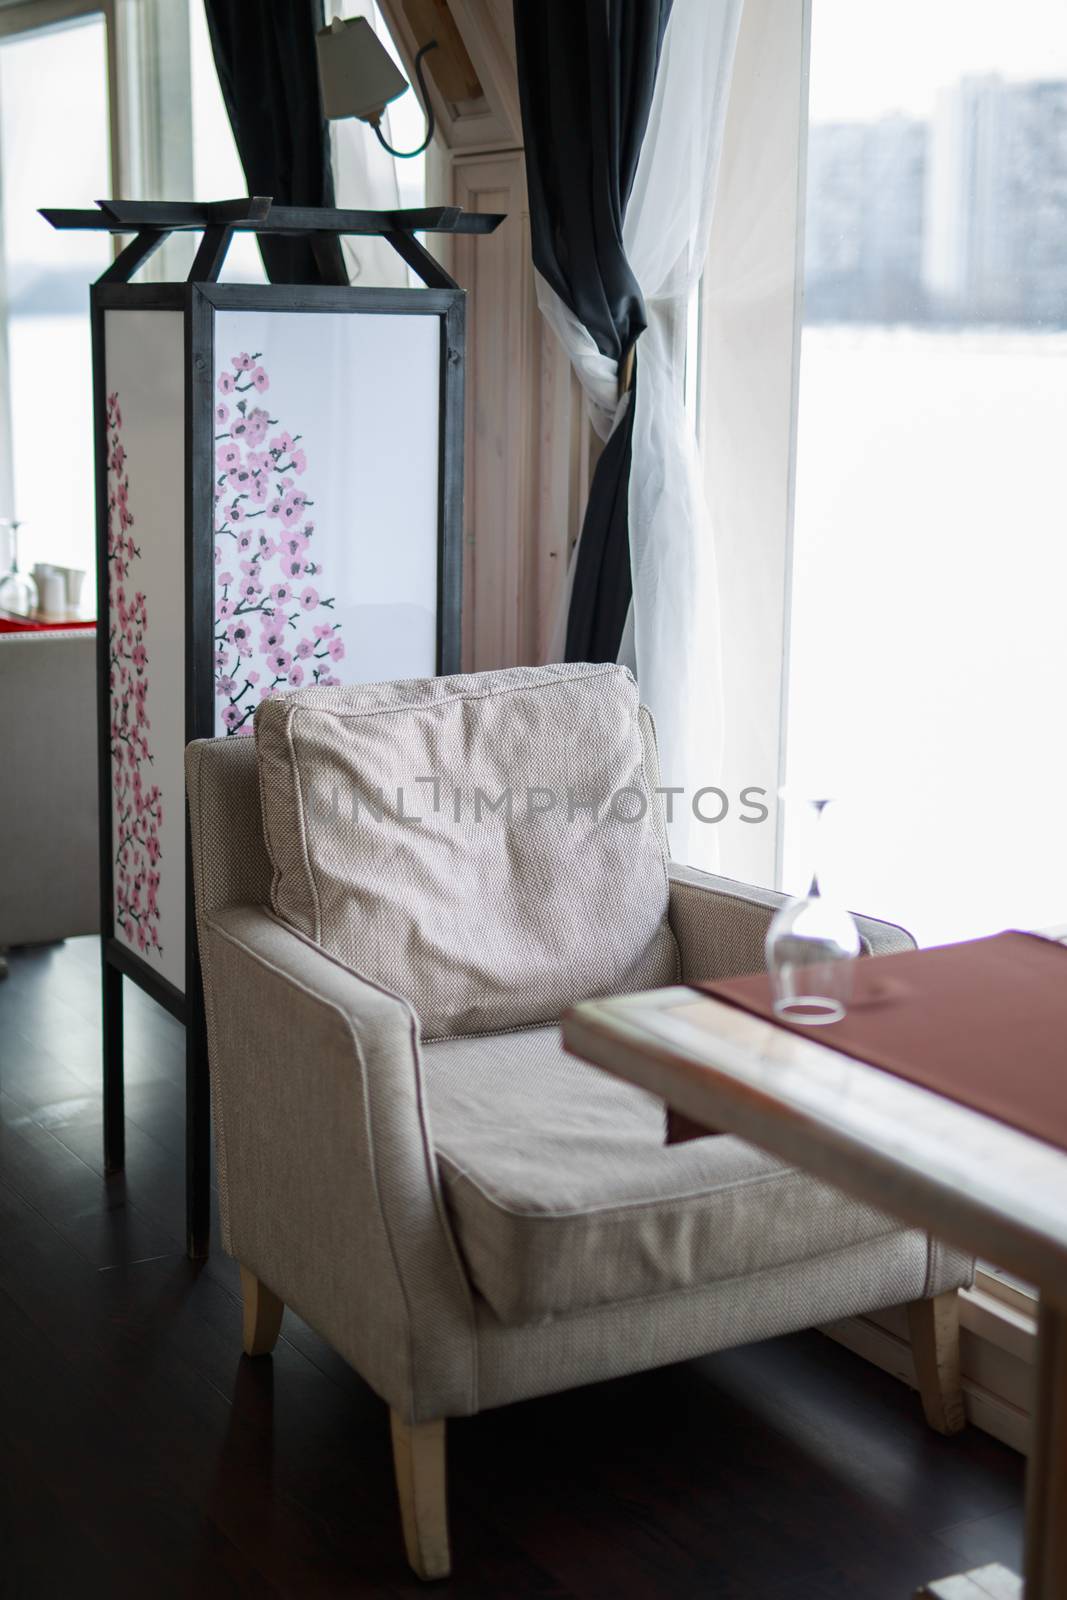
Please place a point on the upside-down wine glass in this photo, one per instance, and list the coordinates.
(18, 592)
(811, 946)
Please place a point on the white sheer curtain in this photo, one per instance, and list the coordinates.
(675, 634)
(671, 637)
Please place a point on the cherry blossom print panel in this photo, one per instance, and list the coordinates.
(138, 813)
(275, 622)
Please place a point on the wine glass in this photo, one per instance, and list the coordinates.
(18, 592)
(811, 945)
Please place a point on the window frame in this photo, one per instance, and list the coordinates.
(19, 20)
(149, 148)
(149, 132)
(21, 17)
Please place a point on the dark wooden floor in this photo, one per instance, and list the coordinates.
(142, 1456)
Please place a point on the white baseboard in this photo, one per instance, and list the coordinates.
(996, 1364)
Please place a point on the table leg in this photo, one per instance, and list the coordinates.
(1045, 1557)
(1045, 1563)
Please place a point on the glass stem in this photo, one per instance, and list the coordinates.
(814, 891)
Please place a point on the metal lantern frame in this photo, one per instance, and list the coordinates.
(198, 300)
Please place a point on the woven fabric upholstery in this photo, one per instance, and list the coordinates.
(327, 1111)
(230, 862)
(608, 1341)
(564, 1195)
(333, 1197)
(230, 868)
(482, 921)
(720, 925)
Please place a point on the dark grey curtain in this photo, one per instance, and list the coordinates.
(265, 57)
(587, 69)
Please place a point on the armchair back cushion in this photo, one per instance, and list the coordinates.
(536, 873)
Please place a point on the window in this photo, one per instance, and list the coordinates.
(217, 170)
(404, 124)
(50, 77)
(881, 397)
(364, 174)
(930, 532)
(173, 141)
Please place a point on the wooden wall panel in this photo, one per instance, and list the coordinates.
(499, 383)
(527, 449)
(491, 121)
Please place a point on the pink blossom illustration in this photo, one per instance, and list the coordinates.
(138, 805)
(266, 639)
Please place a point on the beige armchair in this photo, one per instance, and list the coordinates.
(406, 1155)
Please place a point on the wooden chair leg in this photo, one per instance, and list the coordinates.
(934, 1328)
(263, 1313)
(419, 1461)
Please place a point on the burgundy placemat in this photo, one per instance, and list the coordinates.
(983, 1022)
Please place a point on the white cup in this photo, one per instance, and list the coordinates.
(51, 591)
(73, 579)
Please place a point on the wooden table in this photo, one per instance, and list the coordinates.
(970, 1180)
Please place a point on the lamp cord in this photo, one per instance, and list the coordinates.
(405, 155)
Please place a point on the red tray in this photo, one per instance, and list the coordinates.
(13, 624)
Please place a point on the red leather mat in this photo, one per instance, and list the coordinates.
(984, 1023)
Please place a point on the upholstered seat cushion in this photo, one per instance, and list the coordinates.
(563, 1194)
(489, 847)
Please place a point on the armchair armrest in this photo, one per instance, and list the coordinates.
(720, 925)
(328, 1185)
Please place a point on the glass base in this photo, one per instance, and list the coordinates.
(18, 595)
(810, 1009)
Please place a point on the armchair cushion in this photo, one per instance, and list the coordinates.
(482, 918)
(564, 1196)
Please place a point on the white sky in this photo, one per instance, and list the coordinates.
(869, 57)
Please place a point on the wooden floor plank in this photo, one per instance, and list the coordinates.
(148, 1456)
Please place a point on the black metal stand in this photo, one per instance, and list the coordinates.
(197, 1123)
(152, 223)
(114, 1085)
